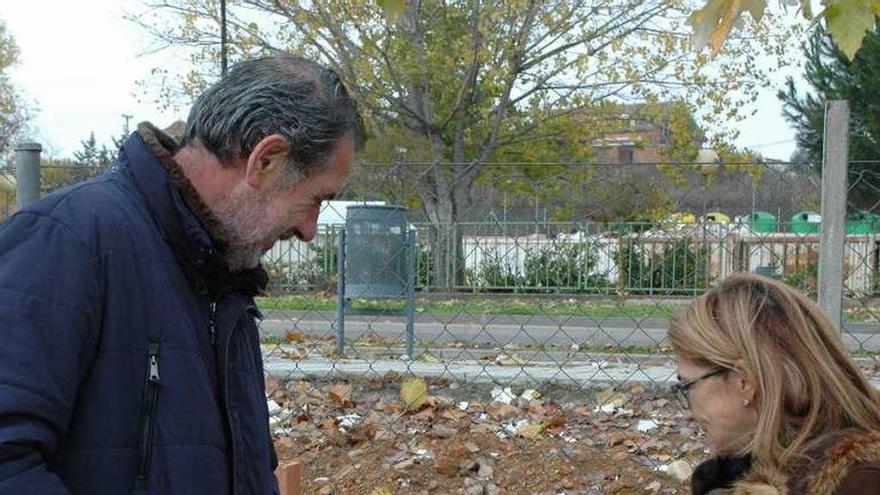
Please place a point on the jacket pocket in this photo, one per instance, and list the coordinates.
(148, 413)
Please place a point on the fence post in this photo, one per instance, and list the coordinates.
(411, 249)
(834, 187)
(27, 173)
(340, 293)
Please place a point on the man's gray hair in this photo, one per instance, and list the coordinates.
(284, 94)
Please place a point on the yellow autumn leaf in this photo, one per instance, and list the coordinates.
(381, 491)
(704, 21)
(532, 430)
(414, 392)
(712, 24)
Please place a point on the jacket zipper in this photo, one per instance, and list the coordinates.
(212, 323)
(151, 393)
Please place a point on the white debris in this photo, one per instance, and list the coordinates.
(530, 395)
(424, 454)
(566, 438)
(348, 421)
(274, 408)
(516, 428)
(463, 405)
(502, 395)
(680, 471)
(647, 425)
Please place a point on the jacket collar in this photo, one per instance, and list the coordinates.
(827, 461)
(194, 233)
(718, 473)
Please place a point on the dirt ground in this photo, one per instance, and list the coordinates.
(371, 437)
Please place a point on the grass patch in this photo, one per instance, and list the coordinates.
(482, 306)
(514, 306)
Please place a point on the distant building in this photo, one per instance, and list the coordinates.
(638, 136)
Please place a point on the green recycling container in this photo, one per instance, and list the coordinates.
(806, 222)
(762, 222)
(862, 222)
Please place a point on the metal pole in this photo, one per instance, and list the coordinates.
(340, 293)
(223, 61)
(834, 188)
(27, 173)
(411, 294)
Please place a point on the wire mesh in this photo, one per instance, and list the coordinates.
(861, 286)
(540, 323)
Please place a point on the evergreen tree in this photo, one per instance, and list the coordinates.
(831, 76)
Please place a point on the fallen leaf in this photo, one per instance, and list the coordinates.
(501, 411)
(557, 422)
(340, 394)
(453, 414)
(531, 431)
(610, 397)
(426, 414)
(414, 392)
(620, 456)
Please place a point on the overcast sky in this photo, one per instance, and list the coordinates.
(79, 65)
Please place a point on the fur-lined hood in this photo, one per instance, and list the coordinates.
(832, 458)
(205, 234)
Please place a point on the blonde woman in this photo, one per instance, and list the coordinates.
(785, 409)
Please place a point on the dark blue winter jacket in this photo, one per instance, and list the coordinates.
(129, 355)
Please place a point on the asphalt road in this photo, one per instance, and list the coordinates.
(499, 330)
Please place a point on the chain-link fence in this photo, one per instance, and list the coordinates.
(539, 322)
(525, 348)
(861, 283)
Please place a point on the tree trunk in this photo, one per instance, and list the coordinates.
(443, 212)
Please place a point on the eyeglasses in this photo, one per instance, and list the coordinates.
(682, 389)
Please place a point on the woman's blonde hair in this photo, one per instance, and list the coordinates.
(806, 381)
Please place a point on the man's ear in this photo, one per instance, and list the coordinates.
(745, 381)
(267, 161)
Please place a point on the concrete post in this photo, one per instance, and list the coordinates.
(27, 173)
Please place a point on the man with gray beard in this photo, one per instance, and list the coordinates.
(131, 358)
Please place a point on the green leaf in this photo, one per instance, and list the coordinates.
(392, 8)
(849, 21)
